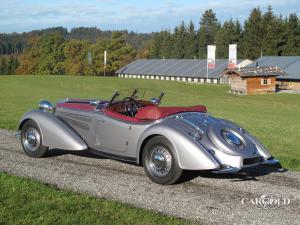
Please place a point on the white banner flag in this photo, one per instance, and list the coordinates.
(232, 61)
(211, 56)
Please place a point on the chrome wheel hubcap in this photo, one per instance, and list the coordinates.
(32, 139)
(160, 161)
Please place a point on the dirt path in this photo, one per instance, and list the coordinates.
(203, 197)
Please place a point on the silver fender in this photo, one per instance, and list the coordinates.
(259, 146)
(191, 156)
(55, 133)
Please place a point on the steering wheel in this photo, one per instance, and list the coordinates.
(132, 107)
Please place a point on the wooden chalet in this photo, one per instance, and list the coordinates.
(253, 80)
(290, 65)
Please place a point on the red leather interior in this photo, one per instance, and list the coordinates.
(146, 113)
(157, 112)
(122, 117)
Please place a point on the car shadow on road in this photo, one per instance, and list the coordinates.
(243, 175)
(83, 153)
(61, 152)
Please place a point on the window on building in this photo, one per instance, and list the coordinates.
(265, 81)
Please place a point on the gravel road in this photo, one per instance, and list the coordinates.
(203, 197)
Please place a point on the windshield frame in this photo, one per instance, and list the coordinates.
(132, 93)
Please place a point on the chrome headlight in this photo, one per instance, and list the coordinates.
(45, 106)
(232, 139)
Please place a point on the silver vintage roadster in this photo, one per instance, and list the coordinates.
(133, 127)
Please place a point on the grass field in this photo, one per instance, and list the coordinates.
(274, 118)
(24, 201)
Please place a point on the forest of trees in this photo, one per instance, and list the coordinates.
(57, 51)
(261, 34)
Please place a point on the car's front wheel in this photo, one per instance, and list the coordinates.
(160, 161)
(31, 140)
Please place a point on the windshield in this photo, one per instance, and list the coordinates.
(138, 94)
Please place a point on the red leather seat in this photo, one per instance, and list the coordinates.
(157, 112)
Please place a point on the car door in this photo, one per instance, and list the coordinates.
(112, 134)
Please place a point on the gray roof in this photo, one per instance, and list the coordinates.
(290, 64)
(174, 67)
(256, 71)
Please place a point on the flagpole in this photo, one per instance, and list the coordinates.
(206, 70)
(104, 69)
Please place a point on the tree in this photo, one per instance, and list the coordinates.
(144, 53)
(76, 53)
(12, 63)
(292, 36)
(273, 30)
(51, 57)
(155, 46)
(209, 26)
(119, 53)
(29, 59)
(253, 36)
(179, 41)
(3, 66)
(167, 45)
(230, 33)
(190, 42)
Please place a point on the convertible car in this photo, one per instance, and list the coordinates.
(132, 126)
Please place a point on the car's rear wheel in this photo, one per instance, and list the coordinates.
(160, 161)
(31, 140)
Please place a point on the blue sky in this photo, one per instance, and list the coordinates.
(136, 15)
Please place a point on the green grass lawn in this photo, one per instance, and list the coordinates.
(24, 201)
(274, 118)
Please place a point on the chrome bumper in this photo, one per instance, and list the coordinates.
(227, 169)
(270, 161)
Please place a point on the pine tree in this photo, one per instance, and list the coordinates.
(179, 39)
(253, 35)
(156, 46)
(292, 36)
(230, 33)
(190, 42)
(166, 48)
(209, 26)
(273, 30)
